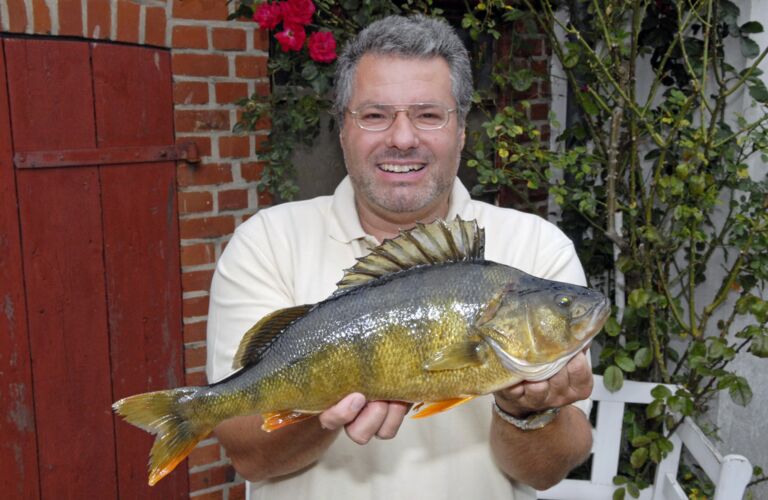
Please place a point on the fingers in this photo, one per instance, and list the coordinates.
(580, 376)
(367, 422)
(379, 418)
(572, 383)
(395, 414)
(363, 420)
(343, 412)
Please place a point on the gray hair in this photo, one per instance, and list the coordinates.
(410, 37)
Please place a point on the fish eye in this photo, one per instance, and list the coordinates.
(563, 301)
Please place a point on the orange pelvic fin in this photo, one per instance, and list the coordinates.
(277, 419)
(440, 406)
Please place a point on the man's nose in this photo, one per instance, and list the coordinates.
(402, 134)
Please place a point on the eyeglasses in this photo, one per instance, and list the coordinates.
(423, 116)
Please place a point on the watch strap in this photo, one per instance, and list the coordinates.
(529, 423)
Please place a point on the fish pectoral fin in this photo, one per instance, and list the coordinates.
(459, 355)
(277, 419)
(440, 406)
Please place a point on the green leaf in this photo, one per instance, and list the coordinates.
(717, 348)
(619, 494)
(655, 453)
(751, 27)
(655, 409)
(632, 345)
(661, 392)
(758, 91)
(665, 445)
(619, 480)
(309, 72)
(633, 490)
(626, 364)
(639, 457)
(588, 104)
(643, 357)
(639, 298)
(759, 346)
(612, 327)
(571, 59)
(642, 440)
(521, 80)
(613, 378)
(749, 48)
(740, 392)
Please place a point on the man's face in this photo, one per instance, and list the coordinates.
(402, 169)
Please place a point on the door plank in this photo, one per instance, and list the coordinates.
(132, 88)
(18, 447)
(51, 95)
(51, 104)
(133, 93)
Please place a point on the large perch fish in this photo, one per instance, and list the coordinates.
(423, 318)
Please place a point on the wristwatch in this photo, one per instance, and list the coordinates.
(529, 423)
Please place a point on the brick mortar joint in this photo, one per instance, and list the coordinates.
(217, 79)
(219, 52)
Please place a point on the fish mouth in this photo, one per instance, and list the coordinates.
(533, 372)
(592, 321)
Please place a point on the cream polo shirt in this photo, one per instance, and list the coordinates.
(294, 254)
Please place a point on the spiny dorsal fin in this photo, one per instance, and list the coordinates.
(263, 334)
(425, 244)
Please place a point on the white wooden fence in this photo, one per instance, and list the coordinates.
(730, 474)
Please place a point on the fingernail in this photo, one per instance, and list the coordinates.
(357, 404)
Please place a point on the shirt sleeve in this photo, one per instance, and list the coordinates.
(248, 283)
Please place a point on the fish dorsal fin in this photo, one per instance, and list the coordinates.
(435, 243)
(263, 334)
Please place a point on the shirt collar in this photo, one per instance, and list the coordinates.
(346, 225)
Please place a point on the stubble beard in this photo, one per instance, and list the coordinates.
(402, 198)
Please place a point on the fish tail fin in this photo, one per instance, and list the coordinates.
(165, 414)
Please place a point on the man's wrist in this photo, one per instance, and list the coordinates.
(529, 422)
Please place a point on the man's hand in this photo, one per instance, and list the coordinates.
(363, 420)
(541, 458)
(571, 384)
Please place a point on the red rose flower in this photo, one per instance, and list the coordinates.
(322, 47)
(292, 37)
(298, 11)
(269, 15)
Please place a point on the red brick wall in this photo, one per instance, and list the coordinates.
(214, 63)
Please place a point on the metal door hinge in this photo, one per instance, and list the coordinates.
(184, 151)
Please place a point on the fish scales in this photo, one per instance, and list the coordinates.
(350, 342)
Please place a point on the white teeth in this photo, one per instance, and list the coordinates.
(388, 167)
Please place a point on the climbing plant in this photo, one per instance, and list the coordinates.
(652, 175)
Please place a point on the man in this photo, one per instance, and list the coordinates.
(403, 94)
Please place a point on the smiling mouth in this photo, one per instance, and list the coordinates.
(401, 169)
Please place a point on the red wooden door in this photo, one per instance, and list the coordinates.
(93, 271)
